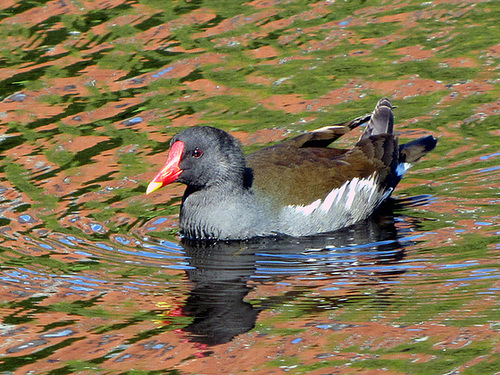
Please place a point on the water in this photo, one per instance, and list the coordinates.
(93, 277)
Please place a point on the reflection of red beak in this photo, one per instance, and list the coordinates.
(171, 170)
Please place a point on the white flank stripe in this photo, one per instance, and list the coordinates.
(353, 189)
(327, 203)
(353, 201)
(343, 196)
(307, 210)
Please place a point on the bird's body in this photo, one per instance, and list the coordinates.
(298, 187)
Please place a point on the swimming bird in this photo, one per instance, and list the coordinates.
(297, 187)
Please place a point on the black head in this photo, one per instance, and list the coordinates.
(202, 156)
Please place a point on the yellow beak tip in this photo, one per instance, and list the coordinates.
(153, 186)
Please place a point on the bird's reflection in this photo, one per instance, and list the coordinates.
(220, 271)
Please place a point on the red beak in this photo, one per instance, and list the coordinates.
(171, 171)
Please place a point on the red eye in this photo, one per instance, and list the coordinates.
(197, 153)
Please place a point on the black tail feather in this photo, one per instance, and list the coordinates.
(412, 151)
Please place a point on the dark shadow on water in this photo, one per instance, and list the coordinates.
(223, 273)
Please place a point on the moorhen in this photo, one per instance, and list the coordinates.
(298, 187)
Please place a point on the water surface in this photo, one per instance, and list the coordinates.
(93, 276)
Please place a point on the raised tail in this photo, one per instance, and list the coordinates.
(379, 133)
(381, 121)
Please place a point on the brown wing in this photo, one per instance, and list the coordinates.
(303, 169)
